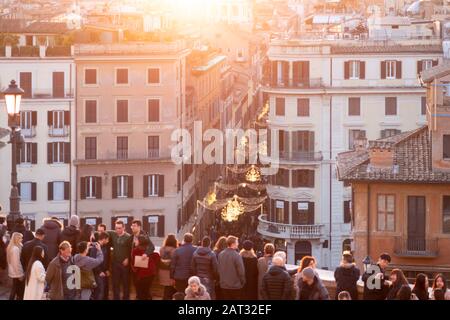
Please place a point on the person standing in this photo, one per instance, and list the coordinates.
(204, 265)
(87, 265)
(397, 280)
(101, 273)
(52, 229)
(15, 269)
(346, 276)
(221, 244)
(250, 289)
(231, 271)
(263, 265)
(35, 275)
(276, 283)
(440, 283)
(379, 291)
(71, 234)
(57, 276)
(180, 266)
(310, 288)
(421, 287)
(28, 247)
(19, 226)
(166, 254)
(136, 230)
(121, 244)
(196, 290)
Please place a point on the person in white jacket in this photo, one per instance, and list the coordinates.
(15, 269)
(35, 275)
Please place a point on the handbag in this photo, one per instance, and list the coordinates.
(87, 279)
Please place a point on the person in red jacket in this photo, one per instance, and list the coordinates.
(143, 276)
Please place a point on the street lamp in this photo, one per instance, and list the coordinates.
(13, 96)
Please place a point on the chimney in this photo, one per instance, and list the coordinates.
(360, 142)
(381, 154)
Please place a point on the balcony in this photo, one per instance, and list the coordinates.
(28, 132)
(310, 83)
(416, 248)
(301, 156)
(153, 153)
(59, 132)
(289, 231)
(127, 156)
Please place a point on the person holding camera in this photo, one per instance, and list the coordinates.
(376, 284)
(87, 265)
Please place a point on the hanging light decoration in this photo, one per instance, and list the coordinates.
(211, 197)
(232, 210)
(253, 174)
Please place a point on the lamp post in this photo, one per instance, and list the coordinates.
(13, 95)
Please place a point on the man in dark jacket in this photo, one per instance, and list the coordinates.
(276, 283)
(374, 278)
(101, 273)
(71, 234)
(346, 276)
(180, 266)
(28, 247)
(310, 287)
(231, 271)
(204, 265)
(136, 230)
(19, 226)
(52, 228)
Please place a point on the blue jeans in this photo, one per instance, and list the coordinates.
(120, 277)
(100, 292)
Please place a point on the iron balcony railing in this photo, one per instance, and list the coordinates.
(59, 132)
(416, 247)
(289, 231)
(301, 156)
(28, 132)
(307, 83)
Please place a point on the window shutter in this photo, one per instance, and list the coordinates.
(18, 188)
(274, 71)
(50, 152)
(50, 191)
(113, 221)
(161, 225)
(161, 185)
(50, 118)
(66, 152)
(419, 66)
(34, 153)
(67, 118)
(114, 189)
(295, 179)
(286, 212)
(305, 71)
(295, 141)
(82, 188)
(34, 118)
(346, 69)
(347, 215)
(178, 180)
(383, 69)
(435, 63)
(98, 187)
(398, 73)
(310, 212)
(311, 141)
(145, 186)
(269, 143)
(362, 69)
(294, 212)
(295, 72)
(66, 190)
(311, 178)
(272, 210)
(130, 187)
(145, 224)
(33, 191)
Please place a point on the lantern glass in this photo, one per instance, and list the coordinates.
(13, 103)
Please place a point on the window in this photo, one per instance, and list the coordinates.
(58, 85)
(121, 76)
(90, 76)
(90, 111)
(153, 76)
(153, 110)
(427, 64)
(122, 186)
(57, 119)
(281, 178)
(90, 145)
(154, 225)
(153, 185)
(58, 152)
(347, 211)
(354, 69)
(303, 178)
(91, 188)
(446, 146)
(153, 146)
(60, 190)
(26, 84)
(25, 191)
(122, 110)
(303, 144)
(354, 106)
(390, 107)
(303, 107)
(386, 133)
(354, 135)
(279, 106)
(28, 153)
(391, 71)
(446, 214)
(279, 211)
(386, 212)
(423, 106)
(28, 120)
(122, 148)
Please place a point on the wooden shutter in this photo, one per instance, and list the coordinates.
(311, 141)
(346, 69)
(82, 188)
(295, 174)
(145, 186)
(67, 118)
(435, 62)
(294, 212)
(50, 152)
(33, 191)
(383, 69)
(398, 73)
(34, 118)
(66, 190)
(286, 212)
(272, 210)
(66, 152)
(419, 66)
(50, 191)
(18, 188)
(34, 153)
(145, 224)
(130, 187)
(161, 226)
(269, 143)
(58, 84)
(295, 72)
(347, 214)
(160, 185)
(362, 69)
(98, 187)
(310, 212)
(305, 70)
(114, 188)
(50, 118)
(311, 178)
(26, 84)
(274, 72)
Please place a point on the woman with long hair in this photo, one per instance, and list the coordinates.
(421, 287)
(398, 280)
(166, 254)
(15, 269)
(305, 262)
(221, 244)
(35, 275)
(440, 283)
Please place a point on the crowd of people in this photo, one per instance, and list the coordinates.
(41, 266)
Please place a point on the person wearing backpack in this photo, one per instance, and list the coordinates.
(87, 265)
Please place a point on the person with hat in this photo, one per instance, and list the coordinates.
(310, 287)
(276, 283)
(346, 276)
(72, 233)
(28, 248)
(204, 265)
(250, 289)
(376, 284)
